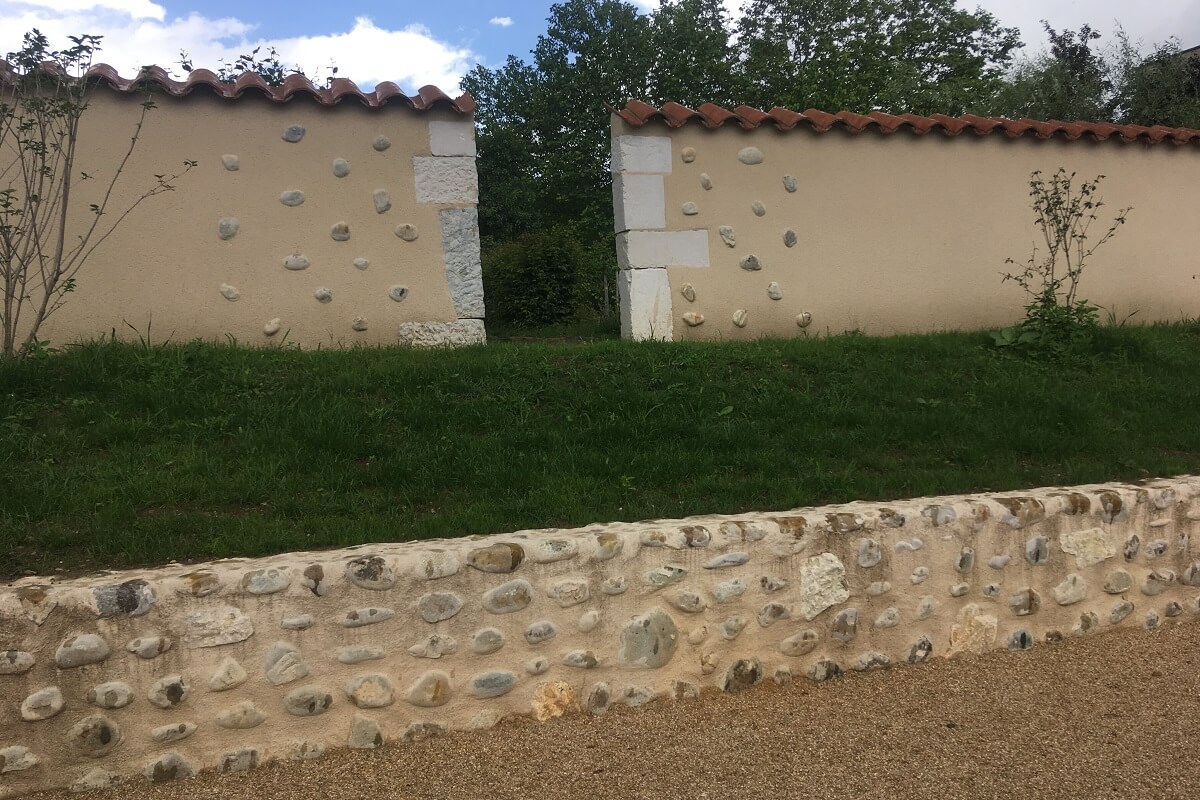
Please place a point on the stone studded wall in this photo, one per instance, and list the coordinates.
(734, 234)
(226, 665)
(301, 224)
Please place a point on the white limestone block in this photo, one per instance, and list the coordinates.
(446, 179)
(452, 138)
(645, 296)
(639, 202)
(633, 153)
(656, 249)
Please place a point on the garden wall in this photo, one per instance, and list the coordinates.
(734, 225)
(161, 673)
(318, 217)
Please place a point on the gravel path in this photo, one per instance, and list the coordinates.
(1111, 716)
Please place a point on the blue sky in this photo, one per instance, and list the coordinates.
(416, 43)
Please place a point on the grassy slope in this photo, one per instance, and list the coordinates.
(116, 455)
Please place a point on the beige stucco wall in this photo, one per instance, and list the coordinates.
(162, 271)
(230, 664)
(893, 233)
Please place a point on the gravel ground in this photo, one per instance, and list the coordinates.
(1112, 716)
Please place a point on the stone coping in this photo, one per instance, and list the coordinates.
(225, 665)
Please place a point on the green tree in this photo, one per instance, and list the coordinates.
(1162, 88)
(1070, 81)
(694, 62)
(921, 56)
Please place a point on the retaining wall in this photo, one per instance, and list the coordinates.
(314, 217)
(223, 666)
(736, 227)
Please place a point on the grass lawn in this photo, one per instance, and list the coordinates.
(118, 455)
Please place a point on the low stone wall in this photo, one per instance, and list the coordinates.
(226, 665)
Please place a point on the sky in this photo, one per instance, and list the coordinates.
(418, 43)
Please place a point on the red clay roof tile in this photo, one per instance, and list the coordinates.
(203, 80)
(637, 114)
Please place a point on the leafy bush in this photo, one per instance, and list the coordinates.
(1057, 320)
(533, 279)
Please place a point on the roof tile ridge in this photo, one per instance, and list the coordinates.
(714, 116)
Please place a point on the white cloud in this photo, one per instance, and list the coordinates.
(503, 22)
(367, 54)
(138, 9)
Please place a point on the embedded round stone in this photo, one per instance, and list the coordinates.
(789, 238)
(228, 228)
(361, 263)
(300, 623)
(789, 183)
(408, 232)
(94, 736)
(341, 167)
(323, 295)
(1120, 611)
(822, 584)
(169, 767)
(283, 664)
(690, 209)
(129, 599)
(687, 155)
(1071, 590)
(614, 585)
(750, 263)
(42, 704)
(81, 650)
(665, 576)
(966, 560)
(581, 659)
(919, 575)
(803, 320)
(438, 606)
(869, 661)
(705, 181)
(740, 318)
(999, 562)
(168, 692)
(1037, 550)
(926, 607)
(588, 621)
(266, 581)
(744, 674)
(773, 291)
(15, 662)
(231, 162)
(381, 143)
(356, 654)
(16, 758)
(238, 762)
(1157, 582)
(398, 292)
(230, 293)
(598, 699)
(959, 589)
(492, 684)
(570, 592)
(878, 587)
(773, 612)
(801, 644)
(293, 133)
(845, 625)
(689, 602)
(888, 618)
(487, 641)
(361, 617)
(340, 232)
(307, 701)
(540, 632)
(273, 326)
(148, 647)
(869, 553)
(430, 690)
(758, 208)
(496, 558)
(727, 235)
(750, 155)
(382, 199)
(693, 319)
(731, 628)
(365, 734)
(727, 560)
(649, 640)
(434, 646)
(229, 674)
(296, 262)
(243, 716)
(291, 197)
(371, 572)
(508, 598)
(689, 292)
(772, 583)
(537, 666)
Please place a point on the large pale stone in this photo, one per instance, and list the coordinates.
(1089, 547)
(446, 179)
(217, 626)
(645, 299)
(94, 736)
(308, 701)
(570, 592)
(95, 780)
(822, 585)
(1071, 590)
(800, 644)
(434, 565)
(460, 248)
(266, 581)
(460, 333)
(635, 153)
(452, 137)
(15, 662)
(168, 692)
(371, 572)
(243, 716)
(229, 674)
(487, 641)
(371, 691)
(356, 654)
(237, 762)
(16, 758)
(439, 606)
(148, 647)
(365, 734)
(169, 767)
(649, 640)
(284, 664)
(435, 645)
(496, 558)
(551, 700)
(129, 599)
(492, 684)
(639, 202)
(975, 632)
(114, 694)
(81, 650)
(361, 617)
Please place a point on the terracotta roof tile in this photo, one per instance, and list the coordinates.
(249, 83)
(638, 114)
